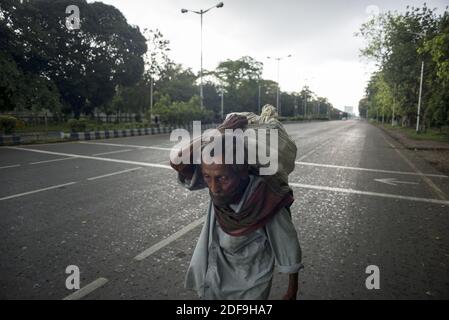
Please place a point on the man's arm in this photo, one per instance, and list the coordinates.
(292, 290)
(284, 242)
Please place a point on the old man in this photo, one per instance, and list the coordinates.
(248, 229)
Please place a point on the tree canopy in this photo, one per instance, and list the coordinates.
(85, 64)
(399, 43)
(109, 66)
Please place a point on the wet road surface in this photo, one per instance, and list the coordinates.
(114, 209)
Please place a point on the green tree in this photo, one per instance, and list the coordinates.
(399, 42)
(177, 82)
(240, 79)
(86, 64)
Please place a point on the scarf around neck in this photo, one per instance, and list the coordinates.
(267, 199)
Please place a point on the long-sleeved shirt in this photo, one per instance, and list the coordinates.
(229, 267)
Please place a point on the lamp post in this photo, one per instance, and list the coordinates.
(420, 95)
(222, 102)
(201, 13)
(306, 94)
(278, 59)
(421, 34)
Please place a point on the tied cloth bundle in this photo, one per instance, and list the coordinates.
(270, 195)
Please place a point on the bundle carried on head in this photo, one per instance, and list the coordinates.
(267, 120)
(267, 125)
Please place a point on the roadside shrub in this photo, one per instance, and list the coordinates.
(8, 124)
(77, 125)
(20, 124)
(179, 112)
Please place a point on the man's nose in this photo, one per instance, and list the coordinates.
(215, 187)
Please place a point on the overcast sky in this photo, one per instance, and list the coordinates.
(318, 34)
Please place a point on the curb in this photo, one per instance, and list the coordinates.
(107, 134)
(408, 146)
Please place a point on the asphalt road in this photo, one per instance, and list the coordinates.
(114, 209)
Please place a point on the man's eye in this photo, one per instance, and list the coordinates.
(223, 178)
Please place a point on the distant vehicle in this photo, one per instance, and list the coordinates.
(344, 119)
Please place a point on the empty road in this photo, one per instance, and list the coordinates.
(113, 208)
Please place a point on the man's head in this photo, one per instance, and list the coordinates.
(226, 182)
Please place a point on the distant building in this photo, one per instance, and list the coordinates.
(349, 110)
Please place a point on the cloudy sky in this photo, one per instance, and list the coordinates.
(318, 34)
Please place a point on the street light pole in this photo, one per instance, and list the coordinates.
(278, 89)
(421, 34)
(201, 68)
(151, 99)
(392, 118)
(305, 105)
(420, 95)
(278, 59)
(201, 13)
(394, 106)
(222, 103)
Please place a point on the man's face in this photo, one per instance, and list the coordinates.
(224, 184)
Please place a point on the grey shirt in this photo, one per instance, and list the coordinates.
(229, 267)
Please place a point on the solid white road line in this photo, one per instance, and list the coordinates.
(137, 163)
(54, 160)
(370, 170)
(113, 174)
(367, 193)
(144, 164)
(125, 145)
(111, 152)
(169, 240)
(84, 291)
(12, 166)
(36, 191)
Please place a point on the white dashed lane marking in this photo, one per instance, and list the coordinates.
(114, 174)
(84, 291)
(36, 191)
(12, 166)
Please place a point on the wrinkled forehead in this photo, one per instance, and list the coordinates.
(217, 169)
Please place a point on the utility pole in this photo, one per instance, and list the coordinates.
(278, 103)
(151, 99)
(201, 13)
(420, 95)
(222, 103)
